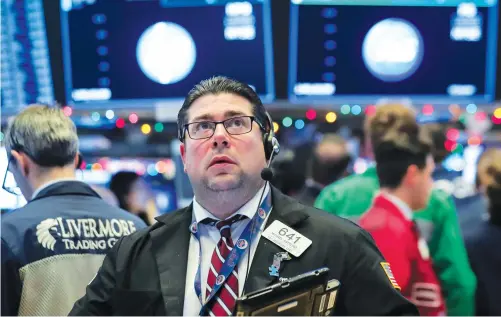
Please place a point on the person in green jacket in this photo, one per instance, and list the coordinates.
(438, 223)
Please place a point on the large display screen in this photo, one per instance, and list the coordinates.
(152, 52)
(426, 50)
(25, 76)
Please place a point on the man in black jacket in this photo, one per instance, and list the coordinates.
(199, 259)
(328, 162)
(54, 245)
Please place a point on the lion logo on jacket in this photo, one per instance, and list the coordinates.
(44, 236)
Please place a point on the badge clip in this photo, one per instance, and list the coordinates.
(274, 269)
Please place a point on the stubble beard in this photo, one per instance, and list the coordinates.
(227, 192)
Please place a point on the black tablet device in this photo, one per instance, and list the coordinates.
(308, 294)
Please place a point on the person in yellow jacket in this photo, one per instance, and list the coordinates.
(352, 196)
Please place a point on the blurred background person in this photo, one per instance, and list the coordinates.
(483, 242)
(106, 194)
(404, 166)
(470, 204)
(328, 162)
(351, 197)
(134, 195)
(289, 169)
(53, 246)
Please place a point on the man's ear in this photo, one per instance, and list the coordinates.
(21, 161)
(411, 176)
(78, 161)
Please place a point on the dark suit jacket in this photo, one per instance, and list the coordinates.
(145, 273)
(482, 244)
(308, 194)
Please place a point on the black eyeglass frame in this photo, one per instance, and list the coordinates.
(187, 131)
(19, 148)
(10, 190)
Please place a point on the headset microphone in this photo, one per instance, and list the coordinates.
(267, 174)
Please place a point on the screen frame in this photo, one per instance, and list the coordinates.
(169, 104)
(490, 70)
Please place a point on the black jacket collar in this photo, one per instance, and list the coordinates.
(66, 188)
(170, 239)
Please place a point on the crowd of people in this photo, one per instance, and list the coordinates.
(459, 221)
(392, 240)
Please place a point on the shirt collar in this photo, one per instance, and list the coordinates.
(249, 209)
(401, 205)
(49, 183)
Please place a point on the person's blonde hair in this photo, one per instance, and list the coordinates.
(489, 178)
(390, 119)
(489, 169)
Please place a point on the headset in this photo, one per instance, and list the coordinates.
(270, 142)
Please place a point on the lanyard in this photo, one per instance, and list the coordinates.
(242, 244)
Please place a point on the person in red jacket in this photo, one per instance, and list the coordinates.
(404, 168)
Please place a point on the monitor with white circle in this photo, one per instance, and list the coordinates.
(150, 53)
(365, 51)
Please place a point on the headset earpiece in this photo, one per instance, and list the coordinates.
(270, 142)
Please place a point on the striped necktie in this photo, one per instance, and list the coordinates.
(223, 303)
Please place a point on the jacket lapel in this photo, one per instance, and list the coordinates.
(287, 211)
(171, 241)
(170, 245)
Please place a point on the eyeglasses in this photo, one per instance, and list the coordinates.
(234, 126)
(9, 183)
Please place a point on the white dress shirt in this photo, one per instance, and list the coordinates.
(401, 205)
(209, 237)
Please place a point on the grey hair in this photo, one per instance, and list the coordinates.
(45, 134)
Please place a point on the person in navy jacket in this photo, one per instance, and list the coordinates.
(470, 204)
(54, 245)
(483, 242)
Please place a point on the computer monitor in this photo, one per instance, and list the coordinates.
(150, 53)
(25, 76)
(364, 51)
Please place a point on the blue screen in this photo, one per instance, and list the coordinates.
(144, 52)
(25, 76)
(427, 50)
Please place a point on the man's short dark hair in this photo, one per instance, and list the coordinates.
(217, 85)
(121, 185)
(397, 151)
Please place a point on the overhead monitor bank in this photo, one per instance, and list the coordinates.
(142, 53)
(25, 76)
(433, 51)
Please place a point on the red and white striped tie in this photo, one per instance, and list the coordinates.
(223, 302)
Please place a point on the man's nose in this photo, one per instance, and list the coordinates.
(220, 137)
